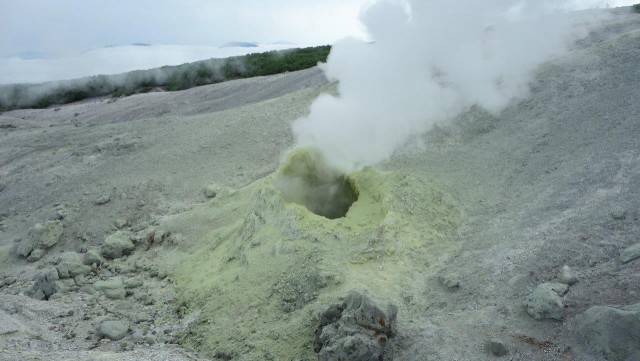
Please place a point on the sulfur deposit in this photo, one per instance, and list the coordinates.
(259, 268)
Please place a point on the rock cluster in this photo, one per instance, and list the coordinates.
(354, 328)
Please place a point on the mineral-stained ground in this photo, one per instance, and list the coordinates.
(183, 226)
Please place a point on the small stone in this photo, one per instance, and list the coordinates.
(117, 245)
(102, 199)
(79, 280)
(39, 295)
(140, 226)
(36, 255)
(9, 280)
(618, 213)
(113, 283)
(115, 294)
(450, 282)
(567, 276)
(113, 330)
(211, 190)
(120, 223)
(138, 317)
(92, 257)
(630, 253)
(546, 301)
(140, 296)
(88, 289)
(133, 282)
(497, 347)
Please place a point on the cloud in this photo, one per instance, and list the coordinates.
(64, 28)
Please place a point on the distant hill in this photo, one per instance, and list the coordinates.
(169, 78)
(239, 44)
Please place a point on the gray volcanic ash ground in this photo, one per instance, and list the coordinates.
(154, 227)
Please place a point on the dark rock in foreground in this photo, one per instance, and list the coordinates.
(613, 332)
(354, 329)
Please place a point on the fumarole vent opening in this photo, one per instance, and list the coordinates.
(306, 179)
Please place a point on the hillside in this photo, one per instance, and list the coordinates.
(158, 226)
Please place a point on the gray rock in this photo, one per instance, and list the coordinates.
(49, 234)
(9, 281)
(546, 301)
(497, 347)
(141, 297)
(117, 245)
(613, 332)
(113, 330)
(40, 236)
(39, 295)
(115, 294)
(211, 190)
(120, 223)
(70, 265)
(92, 257)
(79, 280)
(102, 199)
(46, 284)
(567, 276)
(36, 255)
(450, 282)
(112, 283)
(630, 253)
(618, 213)
(133, 282)
(355, 329)
(112, 288)
(88, 289)
(138, 317)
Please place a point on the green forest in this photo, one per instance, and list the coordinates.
(169, 78)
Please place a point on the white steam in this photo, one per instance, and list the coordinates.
(428, 61)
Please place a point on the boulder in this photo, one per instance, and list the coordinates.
(46, 283)
(36, 255)
(112, 288)
(611, 331)
(117, 245)
(354, 328)
(546, 301)
(92, 257)
(113, 330)
(497, 347)
(630, 253)
(70, 265)
(133, 282)
(42, 236)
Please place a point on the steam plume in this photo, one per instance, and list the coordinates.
(428, 61)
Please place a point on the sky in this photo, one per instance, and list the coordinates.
(42, 40)
(66, 27)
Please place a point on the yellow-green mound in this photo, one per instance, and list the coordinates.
(256, 269)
